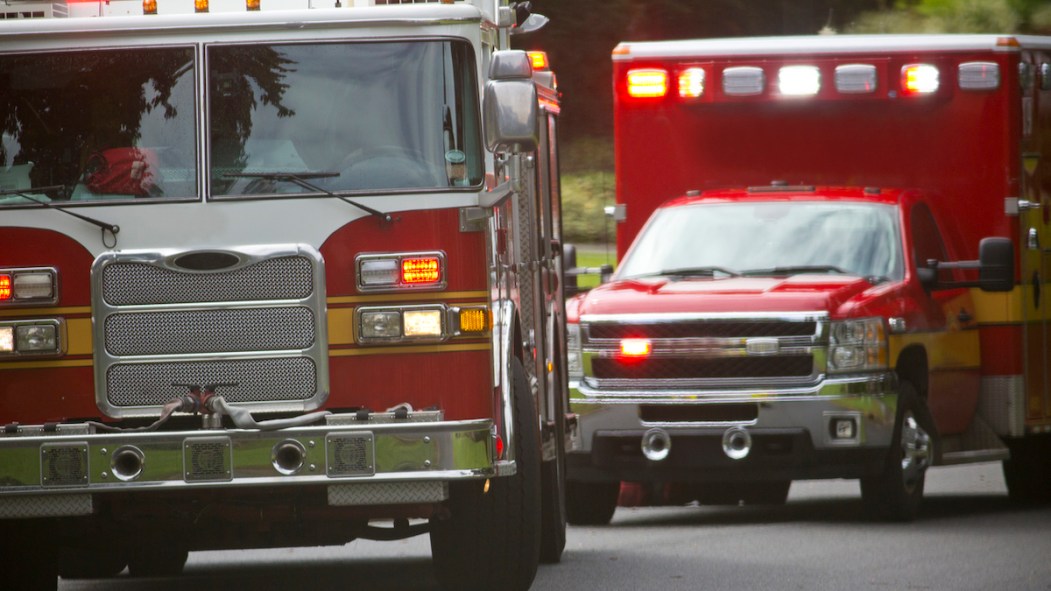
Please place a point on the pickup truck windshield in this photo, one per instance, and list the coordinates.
(773, 238)
(362, 116)
(98, 125)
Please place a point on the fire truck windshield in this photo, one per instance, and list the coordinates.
(770, 238)
(122, 124)
(93, 125)
(359, 117)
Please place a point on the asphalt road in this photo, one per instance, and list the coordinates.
(968, 537)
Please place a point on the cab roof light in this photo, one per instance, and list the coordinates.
(917, 79)
(979, 76)
(691, 83)
(200, 5)
(538, 59)
(647, 83)
(253, 5)
(743, 81)
(798, 80)
(855, 78)
(635, 348)
(149, 6)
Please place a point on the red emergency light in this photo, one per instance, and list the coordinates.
(635, 348)
(415, 271)
(647, 83)
(5, 287)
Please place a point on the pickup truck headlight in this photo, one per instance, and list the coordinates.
(857, 345)
(573, 354)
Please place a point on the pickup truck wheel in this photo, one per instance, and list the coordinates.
(491, 540)
(591, 503)
(895, 495)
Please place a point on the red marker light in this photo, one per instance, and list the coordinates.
(635, 347)
(647, 83)
(5, 288)
(420, 270)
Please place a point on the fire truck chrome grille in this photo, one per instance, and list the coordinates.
(686, 330)
(253, 318)
(135, 283)
(147, 384)
(210, 331)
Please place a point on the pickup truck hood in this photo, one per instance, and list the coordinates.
(798, 293)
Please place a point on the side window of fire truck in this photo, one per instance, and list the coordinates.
(91, 125)
(346, 116)
(926, 240)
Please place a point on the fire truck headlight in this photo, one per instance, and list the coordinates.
(36, 338)
(27, 285)
(858, 345)
(7, 339)
(380, 324)
(423, 323)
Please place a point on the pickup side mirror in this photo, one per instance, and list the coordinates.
(571, 271)
(996, 264)
(510, 106)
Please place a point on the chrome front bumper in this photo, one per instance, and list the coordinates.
(55, 470)
(870, 399)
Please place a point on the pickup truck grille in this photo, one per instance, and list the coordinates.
(257, 322)
(705, 352)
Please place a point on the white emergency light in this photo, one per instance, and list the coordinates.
(691, 83)
(919, 79)
(855, 78)
(979, 76)
(799, 80)
(743, 81)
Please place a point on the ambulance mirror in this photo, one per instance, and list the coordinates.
(996, 264)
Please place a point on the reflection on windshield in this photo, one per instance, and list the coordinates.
(773, 238)
(355, 116)
(112, 124)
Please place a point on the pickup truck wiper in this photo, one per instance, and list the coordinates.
(797, 270)
(299, 178)
(710, 271)
(23, 193)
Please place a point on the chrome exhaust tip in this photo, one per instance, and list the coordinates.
(737, 442)
(656, 444)
(127, 463)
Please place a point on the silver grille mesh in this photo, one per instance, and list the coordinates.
(145, 384)
(128, 283)
(210, 331)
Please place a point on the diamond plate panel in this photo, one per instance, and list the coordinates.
(387, 493)
(45, 506)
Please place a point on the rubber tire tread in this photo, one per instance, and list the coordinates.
(492, 540)
(884, 496)
(591, 503)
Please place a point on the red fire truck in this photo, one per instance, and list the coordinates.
(841, 275)
(278, 273)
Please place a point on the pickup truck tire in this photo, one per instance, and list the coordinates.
(895, 495)
(591, 503)
(491, 540)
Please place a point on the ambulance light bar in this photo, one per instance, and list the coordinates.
(693, 82)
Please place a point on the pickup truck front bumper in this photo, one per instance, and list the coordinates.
(841, 428)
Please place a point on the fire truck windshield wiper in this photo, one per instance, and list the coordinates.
(690, 272)
(299, 178)
(797, 270)
(23, 193)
